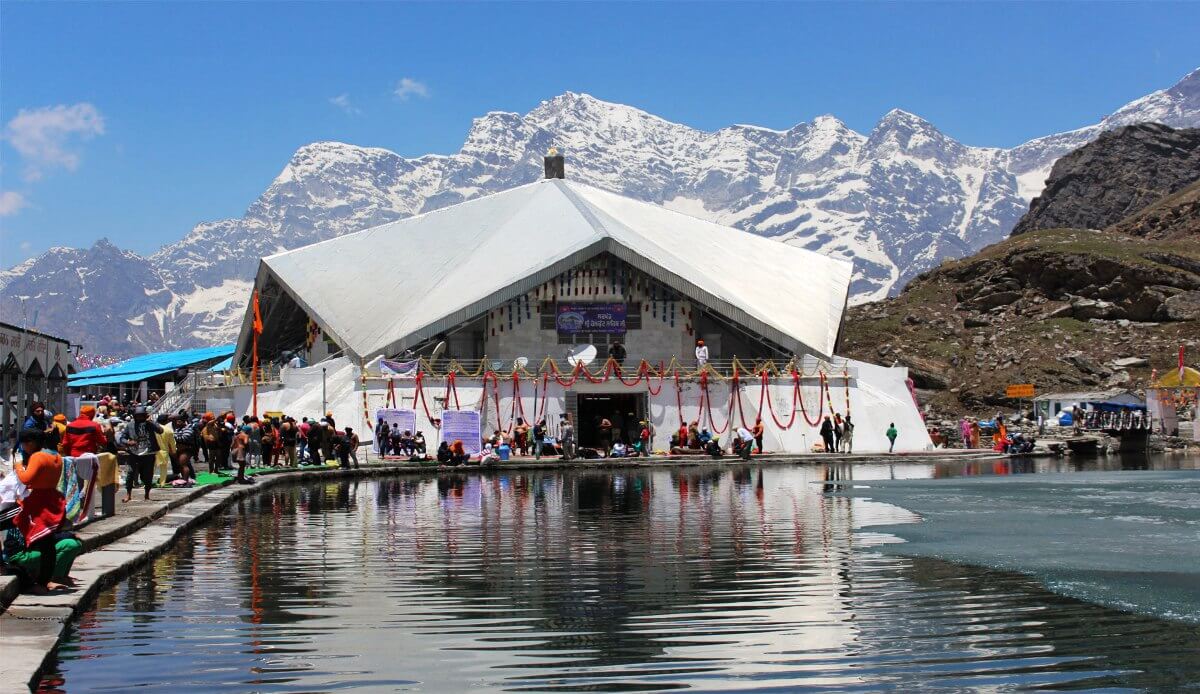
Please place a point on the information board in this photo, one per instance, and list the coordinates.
(1019, 391)
(405, 420)
(578, 317)
(462, 425)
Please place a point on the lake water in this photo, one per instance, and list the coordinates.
(735, 577)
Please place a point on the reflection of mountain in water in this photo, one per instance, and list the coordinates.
(600, 580)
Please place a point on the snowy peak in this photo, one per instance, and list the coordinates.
(902, 133)
(896, 201)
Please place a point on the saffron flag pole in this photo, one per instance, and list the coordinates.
(1181, 366)
(258, 328)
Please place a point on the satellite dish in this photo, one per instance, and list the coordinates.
(520, 363)
(581, 354)
(497, 364)
(437, 352)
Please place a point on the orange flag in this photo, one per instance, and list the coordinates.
(258, 326)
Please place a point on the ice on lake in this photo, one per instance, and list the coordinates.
(1129, 540)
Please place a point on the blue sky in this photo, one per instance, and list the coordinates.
(141, 119)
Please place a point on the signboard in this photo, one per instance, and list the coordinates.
(590, 318)
(1019, 391)
(273, 415)
(405, 420)
(462, 425)
(408, 369)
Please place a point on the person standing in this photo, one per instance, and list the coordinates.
(239, 451)
(352, 444)
(83, 435)
(165, 456)
(891, 436)
(838, 430)
(210, 438)
(539, 438)
(567, 437)
(521, 436)
(303, 430)
(606, 438)
(316, 442)
(758, 433)
(644, 436)
(38, 419)
(328, 429)
(139, 439)
(848, 434)
(701, 354)
(185, 446)
(616, 352)
(827, 434)
(288, 435)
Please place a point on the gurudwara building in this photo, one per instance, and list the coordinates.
(510, 305)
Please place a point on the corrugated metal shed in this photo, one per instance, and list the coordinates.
(384, 289)
(147, 366)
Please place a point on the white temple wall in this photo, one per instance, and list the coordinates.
(878, 396)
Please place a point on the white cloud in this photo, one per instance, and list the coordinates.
(409, 87)
(26, 246)
(343, 102)
(11, 202)
(43, 136)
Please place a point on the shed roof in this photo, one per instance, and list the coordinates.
(147, 366)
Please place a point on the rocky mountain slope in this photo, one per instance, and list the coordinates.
(1175, 216)
(1121, 172)
(897, 201)
(1064, 309)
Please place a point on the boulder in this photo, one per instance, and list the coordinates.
(1085, 309)
(1131, 362)
(1183, 306)
(994, 300)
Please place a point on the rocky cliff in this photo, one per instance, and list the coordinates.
(1118, 174)
(1062, 309)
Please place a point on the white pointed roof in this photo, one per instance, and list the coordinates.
(386, 288)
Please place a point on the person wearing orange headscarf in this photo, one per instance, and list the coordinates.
(44, 509)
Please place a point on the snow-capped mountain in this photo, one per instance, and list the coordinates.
(897, 200)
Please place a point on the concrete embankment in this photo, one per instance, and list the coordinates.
(32, 625)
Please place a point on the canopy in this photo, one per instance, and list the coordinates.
(387, 288)
(1170, 379)
(147, 366)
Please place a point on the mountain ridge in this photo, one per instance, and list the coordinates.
(897, 200)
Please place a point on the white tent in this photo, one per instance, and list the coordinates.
(382, 290)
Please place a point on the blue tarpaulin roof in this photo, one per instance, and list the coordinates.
(148, 366)
(223, 365)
